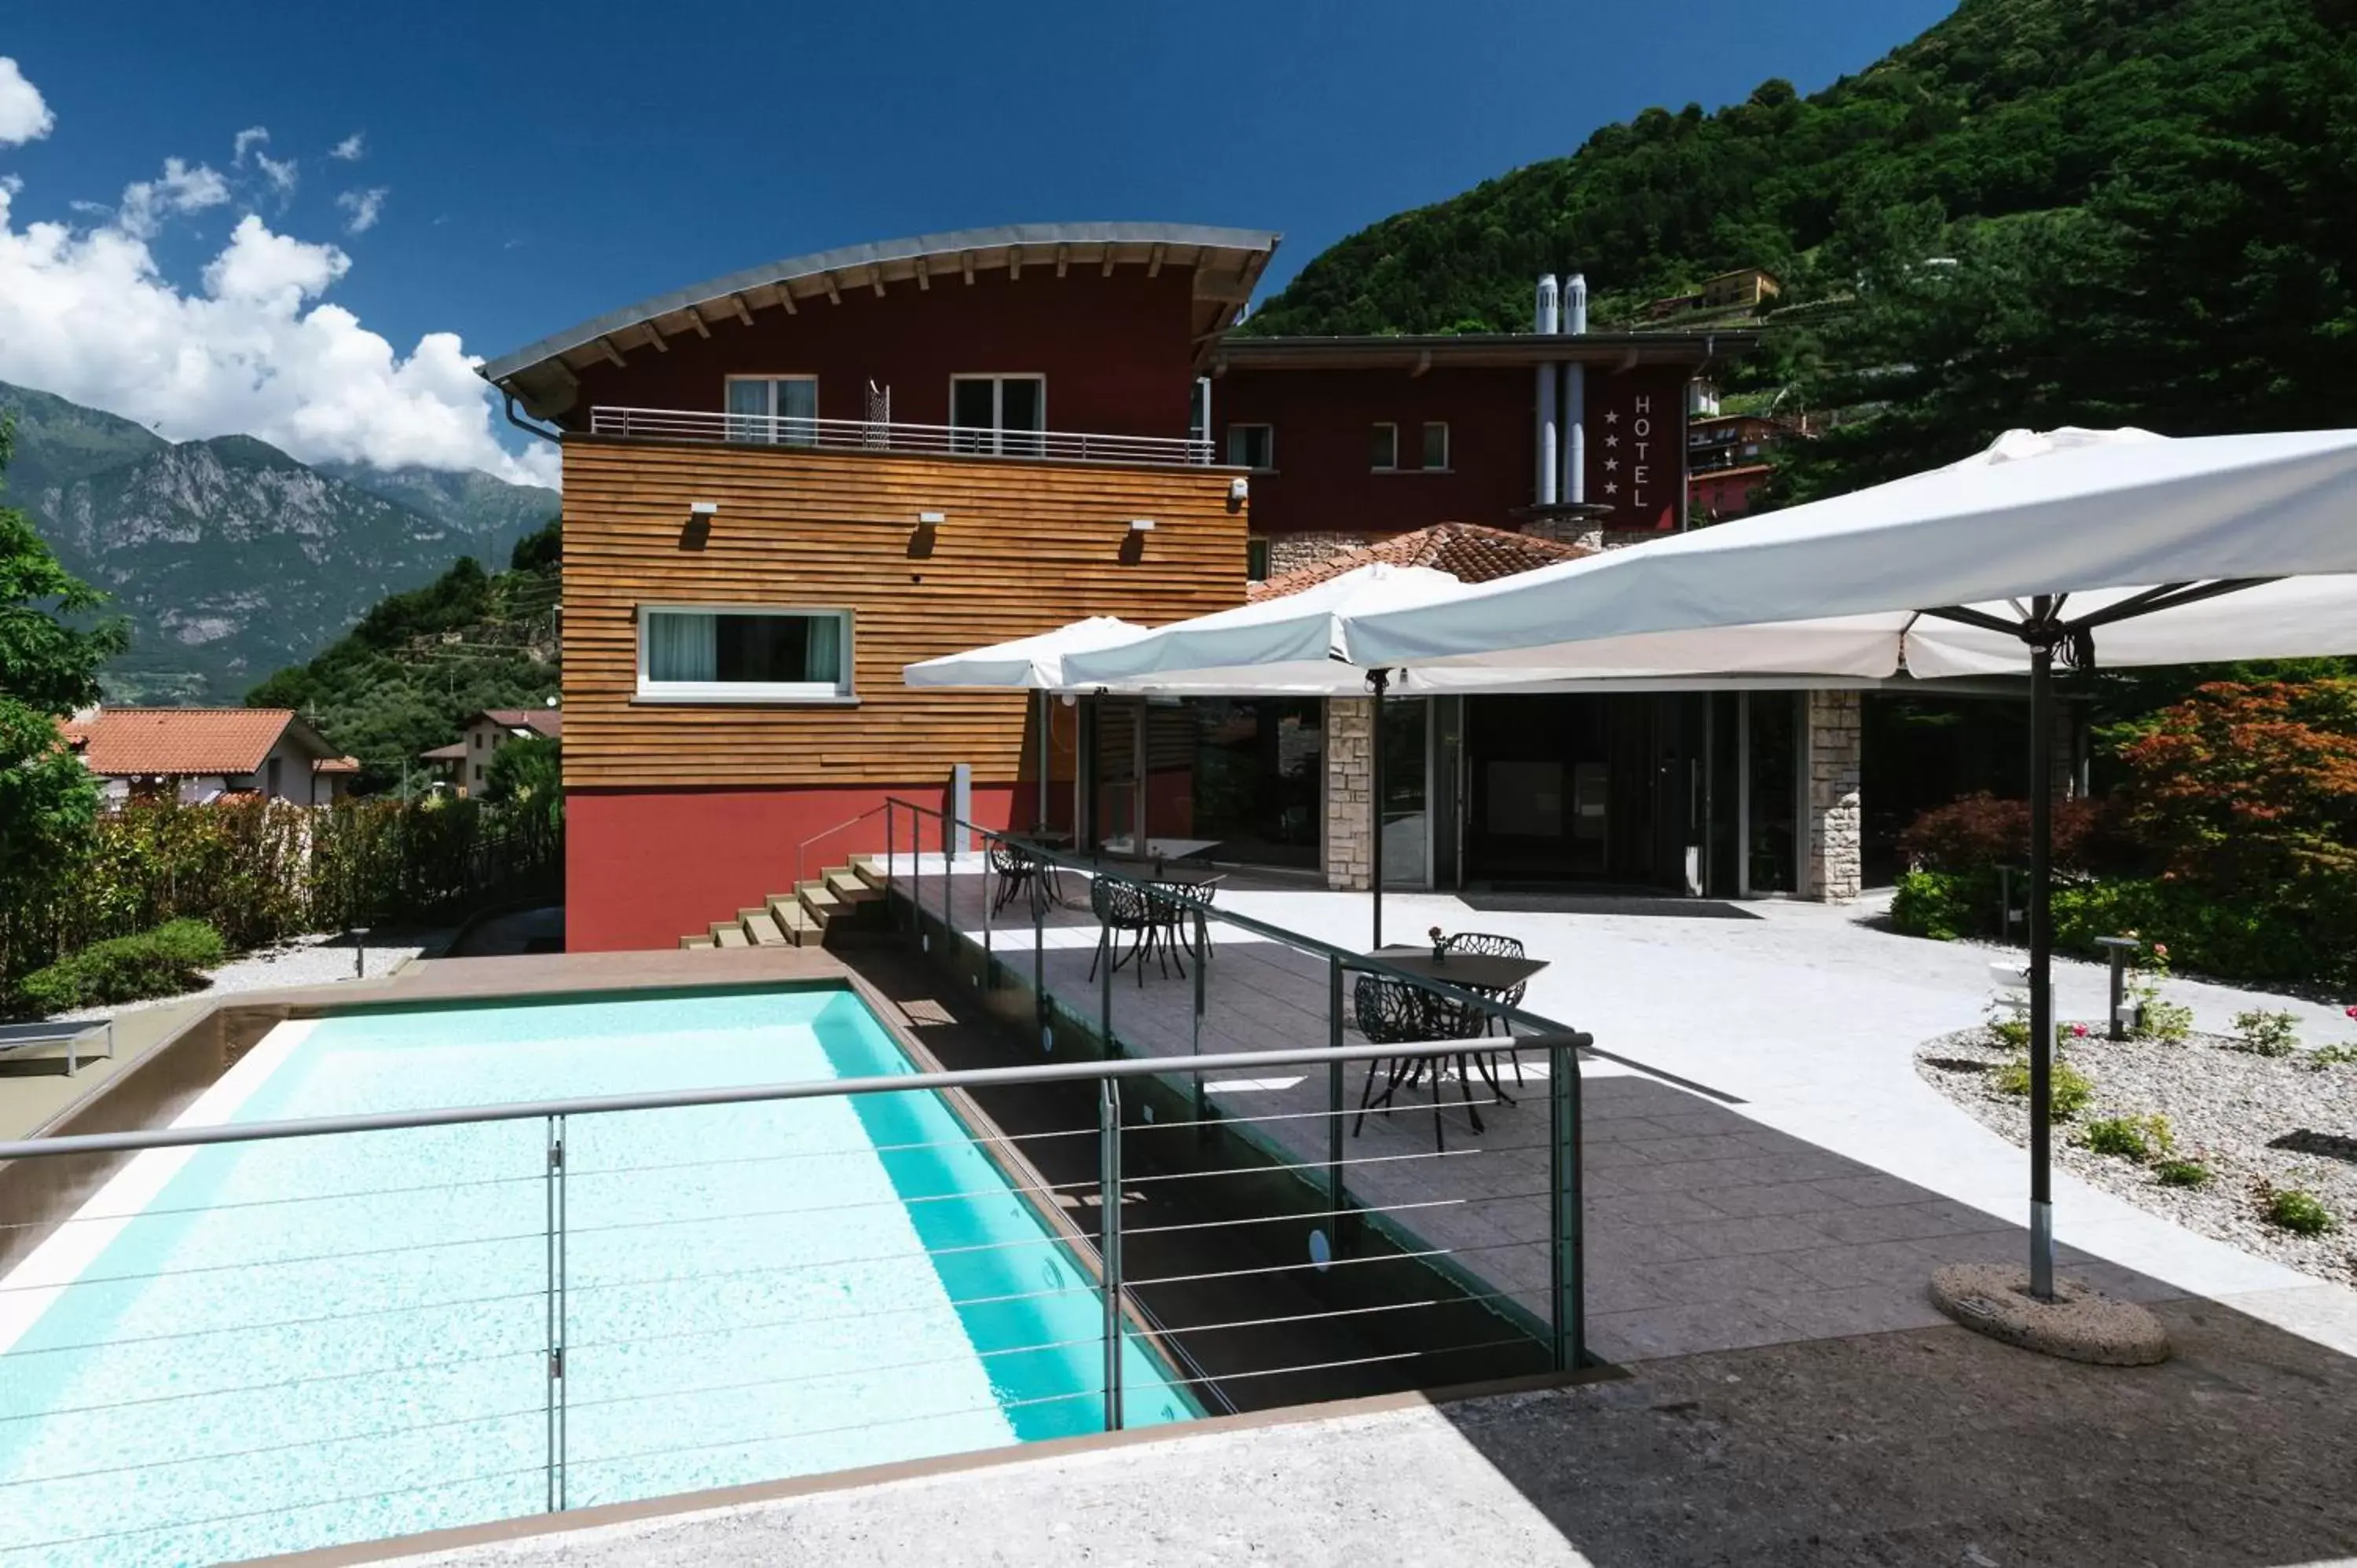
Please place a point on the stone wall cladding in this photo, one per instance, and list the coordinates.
(1837, 867)
(1288, 552)
(1349, 793)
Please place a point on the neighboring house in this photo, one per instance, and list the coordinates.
(783, 485)
(466, 762)
(1727, 462)
(195, 754)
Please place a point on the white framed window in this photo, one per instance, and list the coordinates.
(1252, 445)
(1435, 447)
(1382, 448)
(996, 413)
(781, 409)
(743, 653)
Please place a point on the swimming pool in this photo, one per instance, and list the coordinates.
(248, 1349)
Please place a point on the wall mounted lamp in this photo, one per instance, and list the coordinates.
(703, 508)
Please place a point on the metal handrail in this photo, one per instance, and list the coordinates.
(593, 1105)
(894, 435)
(803, 848)
(1353, 959)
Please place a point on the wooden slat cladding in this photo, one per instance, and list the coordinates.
(1025, 547)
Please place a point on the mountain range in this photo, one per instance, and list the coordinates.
(231, 558)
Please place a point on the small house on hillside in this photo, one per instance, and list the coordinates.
(466, 762)
(197, 754)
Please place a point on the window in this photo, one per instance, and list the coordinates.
(1382, 448)
(1198, 413)
(1002, 414)
(781, 409)
(1252, 445)
(711, 654)
(1435, 448)
(478, 773)
(1255, 559)
(270, 777)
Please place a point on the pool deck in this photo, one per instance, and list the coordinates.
(1923, 1447)
(1708, 1226)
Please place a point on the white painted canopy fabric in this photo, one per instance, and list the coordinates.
(1834, 584)
(1034, 663)
(1292, 644)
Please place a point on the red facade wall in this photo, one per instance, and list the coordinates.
(1723, 496)
(643, 868)
(1322, 420)
(1637, 446)
(1115, 351)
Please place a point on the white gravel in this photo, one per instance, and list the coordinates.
(319, 960)
(2227, 1107)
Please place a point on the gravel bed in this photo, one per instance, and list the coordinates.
(2229, 1108)
(319, 960)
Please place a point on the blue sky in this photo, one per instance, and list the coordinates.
(537, 164)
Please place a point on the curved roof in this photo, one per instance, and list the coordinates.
(1227, 266)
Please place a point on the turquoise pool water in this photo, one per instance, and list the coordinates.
(253, 1349)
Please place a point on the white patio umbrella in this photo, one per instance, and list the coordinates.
(1034, 663)
(2098, 544)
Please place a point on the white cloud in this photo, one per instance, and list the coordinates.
(24, 116)
(146, 203)
(349, 149)
(364, 205)
(86, 312)
(279, 172)
(245, 141)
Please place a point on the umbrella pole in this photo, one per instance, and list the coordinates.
(1379, 680)
(2041, 971)
(1047, 753)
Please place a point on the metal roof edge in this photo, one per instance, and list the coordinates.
(850, 256)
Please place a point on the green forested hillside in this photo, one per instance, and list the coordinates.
(419, 662)
(2040, 212)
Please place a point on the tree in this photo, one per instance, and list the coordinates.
(49, 667)
(527, 773)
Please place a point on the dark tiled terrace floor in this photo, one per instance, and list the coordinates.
(1704, 1229)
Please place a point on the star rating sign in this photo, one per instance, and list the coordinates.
(1611, 463)
(1611, 489)
(1612, 417)
(1612, 441)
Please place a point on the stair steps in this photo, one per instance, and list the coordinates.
(696, 941)
(786, 912)
(725, 934)
(847, 884)
(761, 931)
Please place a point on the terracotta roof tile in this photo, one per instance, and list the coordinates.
(549, 722)
(1467, 551)
(337, 765)
(172, 741)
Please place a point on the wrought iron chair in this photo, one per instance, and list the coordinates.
(1489, 944)
(1391, 1012)
(1016, 872)
(1121, 906)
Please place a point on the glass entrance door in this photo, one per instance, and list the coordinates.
(1407, 784)
(1772, 792)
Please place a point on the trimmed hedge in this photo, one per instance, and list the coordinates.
(166, 961)
(2279, 941)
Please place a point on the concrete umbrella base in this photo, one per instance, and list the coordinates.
(2081, 1323)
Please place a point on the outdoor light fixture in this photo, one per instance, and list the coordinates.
(1239, 491)
(928, 519)
(1141, 525)
(703, 508)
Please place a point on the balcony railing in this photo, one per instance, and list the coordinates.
(879, 436)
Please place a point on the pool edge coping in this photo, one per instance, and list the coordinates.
(682, 1506)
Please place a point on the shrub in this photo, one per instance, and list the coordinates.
(2138, 1138)
(2008, 1024)
(2068, 1093)
(2266, 1033)
(2181, 1172)
(2299, 1213)
(162, 962)
(1944, 906)
(2329, 1055)
(1980, 831)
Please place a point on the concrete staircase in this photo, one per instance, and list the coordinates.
(799, 919)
